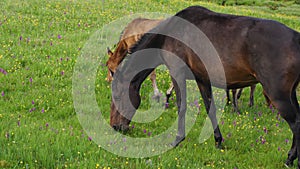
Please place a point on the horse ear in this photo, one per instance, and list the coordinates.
(109, 52)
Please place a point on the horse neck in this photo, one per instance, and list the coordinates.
(120, 52)
(140, 78)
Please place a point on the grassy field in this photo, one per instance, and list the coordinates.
(39, 45)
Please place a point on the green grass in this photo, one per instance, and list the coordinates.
(39, 45)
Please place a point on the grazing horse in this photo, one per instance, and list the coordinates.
(129, 36)
(251, 50)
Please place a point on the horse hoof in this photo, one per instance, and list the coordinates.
(178, 140)
(219, 146)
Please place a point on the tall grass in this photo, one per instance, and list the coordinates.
(39, 44)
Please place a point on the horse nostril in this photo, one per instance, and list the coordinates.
(124, 128)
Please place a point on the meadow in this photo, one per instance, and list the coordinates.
(40, 42)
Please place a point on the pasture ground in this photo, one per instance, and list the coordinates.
(39, 43)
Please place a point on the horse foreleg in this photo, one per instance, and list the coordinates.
(206, 93)
(154, 85)
(268, 101)
(292, 155)
(288, 107)
(180, 90)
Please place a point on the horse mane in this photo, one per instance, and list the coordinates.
(141, 42)
(148, 36)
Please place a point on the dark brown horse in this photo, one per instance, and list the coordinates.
(251, 51)
(129, 36)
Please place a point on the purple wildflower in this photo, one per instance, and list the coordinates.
(51, 43)
(234, 123)
(30, 80)
(59, 36)
(286, 140)
(279, 149)
(21, 38)
(132, 126)
(62, 73)
(124, 139)
(2, 93)
(32, 102)
(259, 114)
(271, 107)
(145, 131)
(167, 105)
(32, 109)
(263, 141)
(43, 110)
(3, 71)
(90, 138)
(19, 123)
(149, 133)
(265, 130)
(47, 125)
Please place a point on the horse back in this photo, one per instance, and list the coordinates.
(250, 48)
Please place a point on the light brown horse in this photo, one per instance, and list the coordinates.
(129, 36)
(251, 51)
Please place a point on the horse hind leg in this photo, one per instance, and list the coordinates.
(251, 101)
(168, 94)
(228, 97)
(235, 100)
